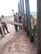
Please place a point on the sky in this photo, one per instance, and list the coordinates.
(6, 6)
(33, 5)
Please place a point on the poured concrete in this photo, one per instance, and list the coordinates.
(16, 43)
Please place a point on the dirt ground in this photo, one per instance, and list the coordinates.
(16, 43)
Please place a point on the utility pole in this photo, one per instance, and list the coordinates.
(23, 15)
(28, 18)
(23, 6)
(39, 26)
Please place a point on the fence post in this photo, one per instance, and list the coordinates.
(28, 18)
(39, 27)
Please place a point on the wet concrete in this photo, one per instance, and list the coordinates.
(16, 43)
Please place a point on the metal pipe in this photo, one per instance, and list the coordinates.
(28, 17)
(39, 26)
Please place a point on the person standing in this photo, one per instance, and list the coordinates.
(4, 26)
(20, 20)
(1, 29)
(16, 20)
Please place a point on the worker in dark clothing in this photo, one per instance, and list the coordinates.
(20, 20)
(4, 26)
